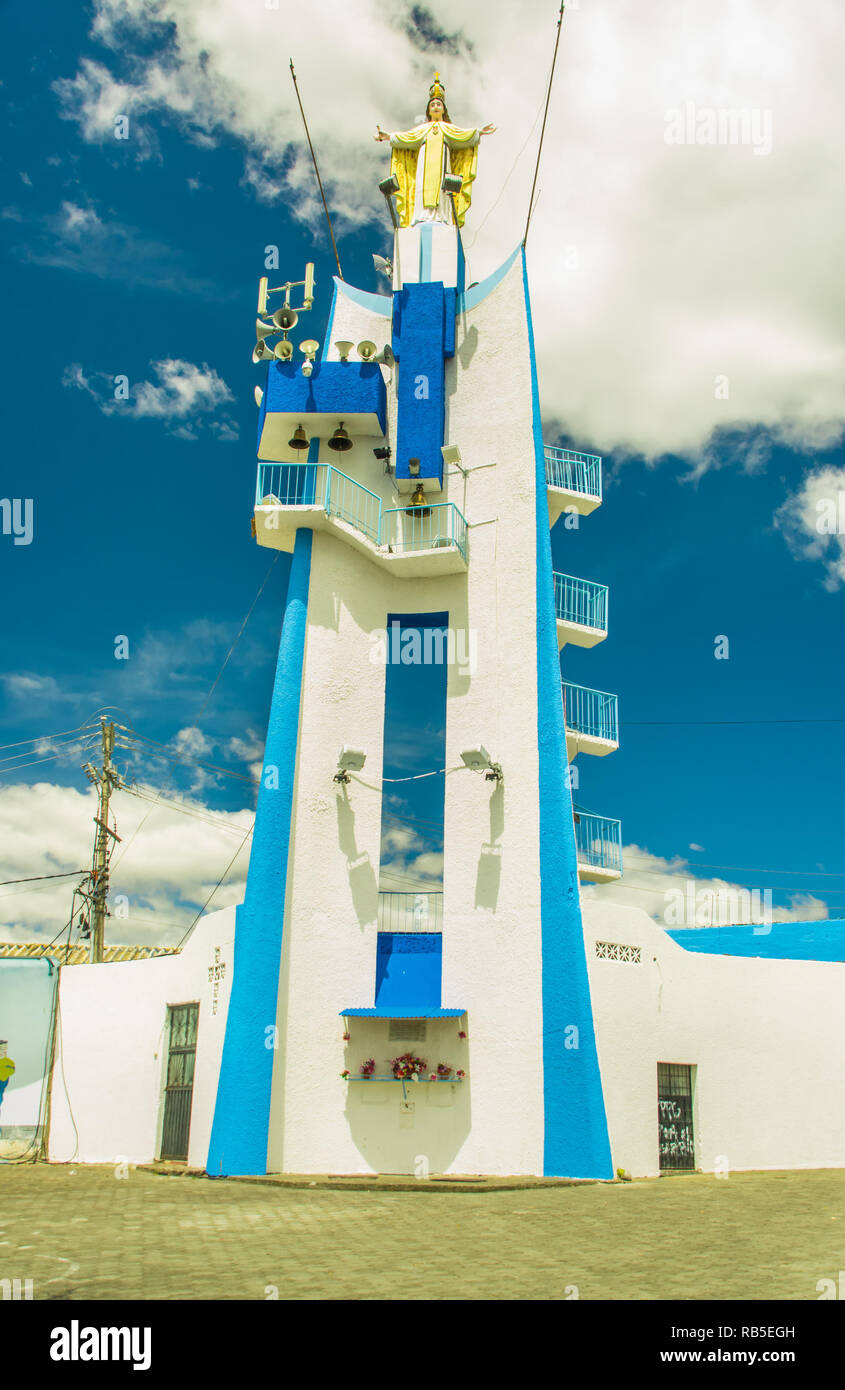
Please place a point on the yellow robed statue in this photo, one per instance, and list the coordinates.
(419, 163)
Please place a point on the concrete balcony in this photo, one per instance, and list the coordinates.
(581, 611)
(592, 720)
(412, 542)
(573, 481)
(599, 847)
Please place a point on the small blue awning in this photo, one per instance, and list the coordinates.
(424, 1011)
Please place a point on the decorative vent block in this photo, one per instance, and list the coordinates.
(614, 950)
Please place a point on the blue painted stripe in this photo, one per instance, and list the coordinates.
(376, 303)
(426, 245)
(576, 1143)
(476, 293)
(242, 1111)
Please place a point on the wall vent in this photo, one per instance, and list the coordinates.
(615, 950)
(406, 1030)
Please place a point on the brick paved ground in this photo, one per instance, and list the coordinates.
(81, 1233)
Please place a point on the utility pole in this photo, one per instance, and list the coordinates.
(104, 779)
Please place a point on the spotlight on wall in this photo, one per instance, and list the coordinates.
(413, 468)
(310, 348)
(452, 457)
(452, 184)
(382, 452)
(479, 760)
(366, 350)
(344, 348)
(349, 760)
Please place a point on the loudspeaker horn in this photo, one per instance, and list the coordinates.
(366, 350)
(263, 330)
(286, 318)
(283, 351)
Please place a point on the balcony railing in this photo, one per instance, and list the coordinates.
(573, 472)
(406, 912)
(424, 528)
(580, 601)
(593, 713)
(599, 841)
(397, 529)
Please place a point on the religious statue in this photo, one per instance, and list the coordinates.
(419, 163)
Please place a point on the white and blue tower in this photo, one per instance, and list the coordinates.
(450, 529)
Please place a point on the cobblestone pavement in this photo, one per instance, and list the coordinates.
(83, 1233)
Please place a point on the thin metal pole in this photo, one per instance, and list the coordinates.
(543, 130)
(316, 170)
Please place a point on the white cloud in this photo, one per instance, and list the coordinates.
(663, 887)
(169, 870)
(181, 396)
(813, 521)
(656, 267)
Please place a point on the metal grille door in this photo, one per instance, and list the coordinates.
(674, 1116)
(179, 1088)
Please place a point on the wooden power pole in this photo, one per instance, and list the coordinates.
(104, 779)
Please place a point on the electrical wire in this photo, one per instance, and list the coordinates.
(531, 203)
(215, 888)
(41, 738)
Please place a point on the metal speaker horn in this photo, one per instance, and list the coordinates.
(344, 348)
(262, 352)
(386, 356)
(283, 351)
(366, 350)
(263, 330)
(286, 318)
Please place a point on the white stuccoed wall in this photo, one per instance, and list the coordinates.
(766, 1037)
(111, 1053)
(493, 1123)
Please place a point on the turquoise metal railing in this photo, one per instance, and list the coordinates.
(566, 468)
(580, 601)
(425, 528)
(594, 713)
(352, 503)
(399, 528)
(598, 841)
(290, 484)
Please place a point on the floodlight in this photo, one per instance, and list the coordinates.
(349, 760)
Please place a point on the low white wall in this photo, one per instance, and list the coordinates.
(111, 1049)
(765, 1037)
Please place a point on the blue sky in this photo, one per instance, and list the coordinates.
(121, 255)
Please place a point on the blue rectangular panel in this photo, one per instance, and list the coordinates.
(419, 335)
(408, 970)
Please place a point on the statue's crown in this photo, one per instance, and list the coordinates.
(437, 89)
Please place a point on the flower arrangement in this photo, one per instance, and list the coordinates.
(408, 1067)
(345, 1074)
(346, 1037)
(444, 1071)
(462, 1034)
(460, 1074)
(367, 1068)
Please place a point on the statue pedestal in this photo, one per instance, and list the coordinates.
(428, 251)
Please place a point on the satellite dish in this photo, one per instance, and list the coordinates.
(366, 350)
(283, 351)
(286, 318)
